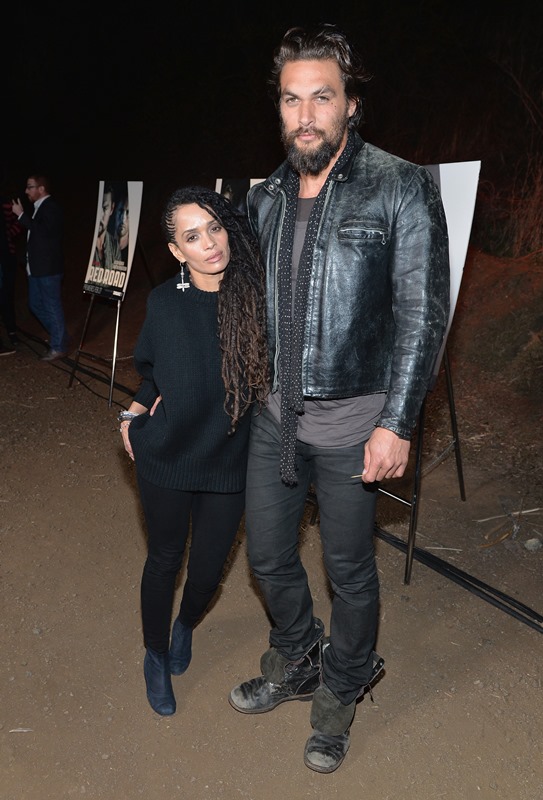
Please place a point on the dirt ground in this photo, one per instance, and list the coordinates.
(458, 713)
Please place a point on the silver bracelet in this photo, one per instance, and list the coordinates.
(127, 415)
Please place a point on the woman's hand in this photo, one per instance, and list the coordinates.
(124, 426)
(135, 408)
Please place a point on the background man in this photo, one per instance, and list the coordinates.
(45, 262)
(356, 248)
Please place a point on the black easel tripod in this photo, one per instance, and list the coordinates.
(113, 363)
(413, 502)
(81, 352)
(483, 590)
(415, 492)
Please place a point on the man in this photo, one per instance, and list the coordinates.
(45, 262)
(356, 249)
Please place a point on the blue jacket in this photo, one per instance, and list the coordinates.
(379, 294)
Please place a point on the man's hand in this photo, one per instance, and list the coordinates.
(385, 456)
(17, 207)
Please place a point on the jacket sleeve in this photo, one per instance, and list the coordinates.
(420, 280)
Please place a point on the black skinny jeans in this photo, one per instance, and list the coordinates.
(213, 521)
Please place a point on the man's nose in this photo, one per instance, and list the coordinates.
(305, 113)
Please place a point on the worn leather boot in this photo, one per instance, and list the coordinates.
(180, 648)
(328, 744)
(281, 680)
(156, 669)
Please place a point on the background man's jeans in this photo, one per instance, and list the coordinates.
(45, 302)
(347, 516)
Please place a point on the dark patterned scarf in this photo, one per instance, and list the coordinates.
(292, 318)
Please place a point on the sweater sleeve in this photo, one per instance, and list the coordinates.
(144, 360)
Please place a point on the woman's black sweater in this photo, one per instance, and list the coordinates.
(185, 444)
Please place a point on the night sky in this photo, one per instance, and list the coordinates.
(179, 95)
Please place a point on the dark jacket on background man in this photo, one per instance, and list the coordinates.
(44, 245)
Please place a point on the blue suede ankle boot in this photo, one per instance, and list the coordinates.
(180, 648)
(156, 669)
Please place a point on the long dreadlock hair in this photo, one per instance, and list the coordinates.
(241, 302)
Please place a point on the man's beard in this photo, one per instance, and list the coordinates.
(312, 161)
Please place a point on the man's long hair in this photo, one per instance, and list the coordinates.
(241, 301)
(325, 42)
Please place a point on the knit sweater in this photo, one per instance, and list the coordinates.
(185, 444)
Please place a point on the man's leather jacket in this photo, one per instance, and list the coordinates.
(379, 294)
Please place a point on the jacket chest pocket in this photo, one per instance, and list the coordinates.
(362, 232)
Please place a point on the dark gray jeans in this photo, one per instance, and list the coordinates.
(347, 516)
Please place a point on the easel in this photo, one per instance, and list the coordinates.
(413, 502)
(415, 492)
(80, 352)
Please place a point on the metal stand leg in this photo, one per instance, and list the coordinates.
(414, 497)
(114, 362)
(84, 333)
(454, 426)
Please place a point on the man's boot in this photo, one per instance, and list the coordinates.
(280, 680)
(330, 719)
(328, 744)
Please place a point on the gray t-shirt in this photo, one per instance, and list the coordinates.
(341, 422)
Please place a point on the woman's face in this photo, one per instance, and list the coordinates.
(202, 243)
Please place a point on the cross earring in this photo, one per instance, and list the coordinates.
(183, 284)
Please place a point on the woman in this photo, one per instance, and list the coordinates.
(202, 357)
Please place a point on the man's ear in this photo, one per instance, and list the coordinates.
(352, 108)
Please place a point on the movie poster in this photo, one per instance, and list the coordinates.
(114, 242)
(235, 189)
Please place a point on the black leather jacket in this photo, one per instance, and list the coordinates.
(379, 295)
